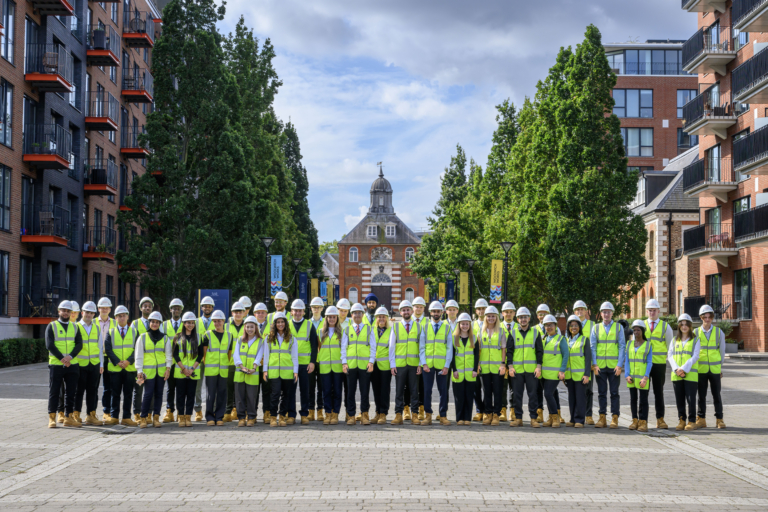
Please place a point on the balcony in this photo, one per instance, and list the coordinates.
(100, 177)
(46, 226)
(138, 29)
(50, 68)
(125, 191)
(53, 7)
(101, 111)
(708, 51)
(130, 146)
(704, 5)
(138, 85)
(726, 307)
(709, 113)
(102, 46)
(750, 15)
(751, 227)
(710, 177)
(749, 82)
(39, 306)
(47, 146)
(100, 244)
(750, 153)
(710, 241)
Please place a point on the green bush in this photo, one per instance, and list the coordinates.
(671, 320)
(16, 351)
(725, 326)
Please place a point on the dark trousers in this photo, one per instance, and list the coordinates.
(153, 395)
(589, 393)
(509, 393)
(230, 390)
(540, 396)
(199, 389)
(138, 395)
(62, 393)
(266, 396)
(551, 395)
(88, 385)
(315, 390)
(344, 391)
(69, 376)
(283, 397)
(577, 400)
(712, 380)
(363, 378)
(381, 382)
(606, 379)
(418, 395)
(479, 404)
(121, 382)
(658, 378)
(185, 395)
(463, 394)
(525, 382)
(492, 392)
(304, 390)
(442, 388)
(106, 395)
(685, 393)
(171, 395)
(331, 383)
(642, 394)
(216, 396)
(406, 375)
(246, 400)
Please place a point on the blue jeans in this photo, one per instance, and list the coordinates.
(331, 383)
(442, 388)
(153, 388)
(606, 379)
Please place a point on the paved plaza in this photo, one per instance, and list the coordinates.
(388, 467)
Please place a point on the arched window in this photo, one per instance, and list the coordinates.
(409, 294)
(353, 254)
(408, 254)
(352, 295)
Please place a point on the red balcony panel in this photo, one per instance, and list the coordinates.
(45, 240)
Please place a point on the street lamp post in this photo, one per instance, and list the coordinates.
(332, 293)
(456, 291)
(296, 263)
(506, 246)
(470, 264)
(267, 241)
(448, 276)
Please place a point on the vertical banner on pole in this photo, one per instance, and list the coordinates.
(303, 286)
(324, 292)
(441, 293)
(450, 290)
(426, 292)
(276, 274)
(497, 275)
(336, 295)
(315, 288)
(464, 288)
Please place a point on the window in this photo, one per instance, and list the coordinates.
(683, 97)
(638, 141)
(5, 198)
(353, 254)
(616, 62)
(6, 112)
(390, 231)
(408, 254)
(651, 244)
(742, 293)
(113, 74)
(6, 39)
(110, 284)
(640, 195)
(96, 284)
(713, 217)
(741, 205)
(4, 256)
(352, 295)
(372, 231)
(409, 294)
(633, 102)
(685, 141)
(640, 168)
(740, 177)
(740, 39)
(114, 12)
(646, 62)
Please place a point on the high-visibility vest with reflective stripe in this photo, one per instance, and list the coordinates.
(525, 351)
(407, 345)
(169, 330)
(358, 349)
(490, 352)
(122, 347)
(271, 317)
(464, 358)
(280, 360)
(89, 354)
(139, 327)
(154, 355)
(637, 363)
(382, 348)
(188, 360)
(202, 329)
(329, 355)
(510, 333)
(302, 338)
(436, 347)
(367, 322)
(247, 357)
(64, 339)
(710, 359)
(553, 359)
(477, 328)
(423, 321)
(576, 363)
(683, 352)
(217, 356)
(607, 346)
(658, 339)
(235, 333)
(586, 329)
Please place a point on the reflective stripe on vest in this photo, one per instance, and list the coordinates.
(217, 356)
(169, 330)
(122, 347)
(302, 338)
(248, 358)
(658, 339)
(637, 363)
(710, 359)
(436, 347)
(64, 339)
(682, 353)
(235, 333)
(525, 351)
(187, 359)
(154, 356)
(358, 350)
(607, 346)
(280, 360)
(139, 327)
(382, 348)
(553, 359)
(464, 358)
(490, 352)
(329, 354)
(89, 354)
(576, 362)
(407, 345)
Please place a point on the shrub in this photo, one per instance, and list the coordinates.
(16, 351)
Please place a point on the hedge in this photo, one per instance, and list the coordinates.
(16, 351)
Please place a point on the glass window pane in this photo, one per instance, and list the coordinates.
(618, 97)
(646, 98)
(671, 64)
(633, 142)
(632, 65)
(633, 103)
(645, 62)
(658, 62)
(646, 137)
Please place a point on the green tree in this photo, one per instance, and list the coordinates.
(329, 247)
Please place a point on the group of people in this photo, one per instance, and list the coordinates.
(490, 360)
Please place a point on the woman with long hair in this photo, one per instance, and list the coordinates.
(493, 346)
(381, 378)
(637, 368)
(247, 357)
(577, 375)
(187, 355)
(553, 368)
(683, 357)
(329, 360)
(464, 368)
(281, 367)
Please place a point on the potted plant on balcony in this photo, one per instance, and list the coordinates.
(99, 38)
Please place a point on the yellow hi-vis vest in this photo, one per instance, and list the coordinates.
(607, 346)
(217, 356)
(382, 348)
(637, 363)
(358, 350)
(465, 362)
(436, 347)
(122, 347)
(709, 350)
(658, 339)
(329, 354)
(154, 356)
(170, 331)
(201, 328)
(407, 345)
(576, 363)
(139, 327)
(280, 360)
(64, 339)
(247, 357)
(683, 352)
(491, 356)
(302, 338)
(235, 333)
(90, 351)
(553, 359)
(187, 358)
(525, 351)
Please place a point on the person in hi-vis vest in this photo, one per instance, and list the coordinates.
(315, 382)
(493, 347)
(91, 360)
(329, 365)
(577, 375)
(234, 326)
(343, 306)
(525, 355)
(154, 359)
(541, 312)
(105, 323)
(381, 378)
(419, 305)
(660, 334)
(683, 357)
(249, 351)
(435, 354)
(553, 367)
(508, 311)
(204, 323)
(219, 367)
(171, 327)
(712, 344)
(188, 353)
(262, 320)
(141, 326)
(480, 306)
(587, 326)
(638, 365)
(303, 332)
(281, 366)
(464, 368)
(64, 343)
(608, 345)
(404, 360)
(119, 349)
(358, 354)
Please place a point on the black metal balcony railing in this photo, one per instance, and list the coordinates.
(50, 59)
(42, 302)
(709, 170)
(750, 149)
(74, 170)
(45, 220)
(715, 39)
(76, 27)
(103, 37)
(138, 79)
(100, 171)
(750, 224)
(102, 104)
(752, 72)
(709, 104)
(100, 240)
(726, 307)
(139, 22)
(129, 137)
(743, 8)
(709, 237)
(47, 139)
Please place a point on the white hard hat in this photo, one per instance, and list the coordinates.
(382, 311)
(188, 317)
(543, 307)
(451, 304)
(121, 310)
(75, 306)
(245, 301)
(405, 304)
(508, 306)
(579, 304)
(281, 296)
(343, 304)
(706, 308)
(357, 307)
(90, 307)
(481, 303)
(146, 299)
(464, 317)
(279, 315)
(251, 320)
(176, 302)
(65, 304)
(317, 301)
(219, 314)
(155, 315)
(523, 311)
(606, 305)
(652, 304)
(685, 316)
(549, 319)
(419, 301)
(332, 310)
(237, 306)
(573, 318)
(260, 307)
(207, 301)
(298, 304)
(491, 310)
(435, 306)
(638, 323)
(105, 303)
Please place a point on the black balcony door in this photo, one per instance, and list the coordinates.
(742, 293)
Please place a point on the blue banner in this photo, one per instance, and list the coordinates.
(336, 295)
(303, 286)
(450, 290)
(276, 274)
(221, 300)
(324, 292)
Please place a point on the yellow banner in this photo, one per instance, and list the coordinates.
(441, 293)
(315, 289)
(497, 273)
(464, 288)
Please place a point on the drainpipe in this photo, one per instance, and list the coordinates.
(670, 289)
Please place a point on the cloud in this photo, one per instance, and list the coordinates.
(352, 220)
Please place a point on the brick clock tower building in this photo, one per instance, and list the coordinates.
(375, 255)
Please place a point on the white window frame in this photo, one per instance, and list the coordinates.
(372, 231)
(393, 228)
(409, 257)
(353, 251)
(353, 298)
(409, 294)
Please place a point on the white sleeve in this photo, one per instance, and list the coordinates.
(139, 359)
(669, 335)
(236, 355)
(671, 357)
(168, 352)
(722, 347)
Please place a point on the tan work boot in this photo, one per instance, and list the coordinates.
(112, 421)
(633, 425)
(52, 420)
(560, 416)
(487, 418)
(478, 417)
(444, 421)
(427, 419)
(701, 422)
(142, 422)
(358, 417)
(549, 422)
(589, 420)
(503, 414)
(398, 419)
(91, 419)
(105, 417)
(310, 415)
(570, 423)
(406, 413)
(334, 418)
(240, 423)
(578, 425)
(305, 420)
(642, 426)
(290, 421)
(556, 421)
(267, 417)
(614, 421)
(600, 422)
(156, 421)
(327, 419)
(273, 422)
(364, 419)
(199, 416)
(540, 415)
(512, 415)
(415, 419)
(250, 422)
(234, 414)
(382, 419)
(516, 423)
(535, 424)
(351, 420)
(60, 417)
(281, 422)
(189, 420)
(182, 421)
(421, 413)
(660, 423)
(681, 424)
(690, 426)
(136, 418)
(320, 415)
(219, 423)
(227, 418)
(76, 416)
(720, 423)
(168, 418)
(128, 422)
(495, 420)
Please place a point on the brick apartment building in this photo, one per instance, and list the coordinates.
(76, 87)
